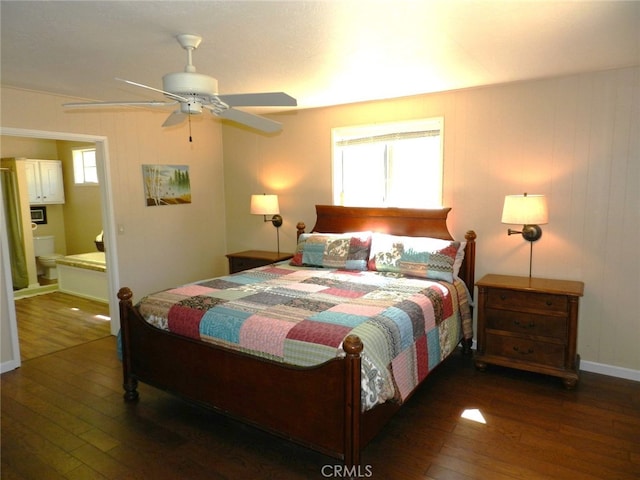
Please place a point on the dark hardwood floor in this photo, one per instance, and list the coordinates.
(54, 321)
(63, 416)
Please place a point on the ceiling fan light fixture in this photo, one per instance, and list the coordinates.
(192, 108)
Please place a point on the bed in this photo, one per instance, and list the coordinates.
(326, 405)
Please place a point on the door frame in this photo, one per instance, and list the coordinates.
(108, 222)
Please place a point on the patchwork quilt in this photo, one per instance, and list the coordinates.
(301, 315)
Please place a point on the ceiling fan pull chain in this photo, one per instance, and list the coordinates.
(190, 139)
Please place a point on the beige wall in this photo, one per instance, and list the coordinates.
(82, 209)
(151, 252)
(574, 139)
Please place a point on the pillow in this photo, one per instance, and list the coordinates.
(422, 257)
(348, 251)
(459, 258)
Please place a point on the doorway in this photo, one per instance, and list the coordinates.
(102, 160)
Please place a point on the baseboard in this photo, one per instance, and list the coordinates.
(38, 290)
(611, 370)
(601, 368)
(9, 365)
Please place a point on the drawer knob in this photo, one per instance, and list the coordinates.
(531, 324)
(522, 352)
(503, 296)
(549, 303)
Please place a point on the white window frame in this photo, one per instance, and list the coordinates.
(80, 169)
(429, 183)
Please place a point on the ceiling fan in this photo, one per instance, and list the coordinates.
(195, 92)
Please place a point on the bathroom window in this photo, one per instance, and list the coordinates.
(389, 165)
(85, 171)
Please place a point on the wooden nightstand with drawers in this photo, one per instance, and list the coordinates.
(254, 258)
(530, 324)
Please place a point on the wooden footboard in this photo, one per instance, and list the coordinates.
(318, 407)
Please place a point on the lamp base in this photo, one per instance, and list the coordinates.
(276, 220)
(530, 233)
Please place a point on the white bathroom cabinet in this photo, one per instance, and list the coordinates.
(44, 181)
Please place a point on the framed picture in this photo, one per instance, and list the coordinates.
(166, 184)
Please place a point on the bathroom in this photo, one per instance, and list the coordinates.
(72, 226)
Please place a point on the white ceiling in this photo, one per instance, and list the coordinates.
(321, 52)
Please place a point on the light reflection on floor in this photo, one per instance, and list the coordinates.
(474, 414)
(99, 317)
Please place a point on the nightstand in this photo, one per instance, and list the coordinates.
(254, 258)
(530, 324)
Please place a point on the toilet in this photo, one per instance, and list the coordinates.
(46, 257)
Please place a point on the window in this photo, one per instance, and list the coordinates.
(85, 171)
(390, 165)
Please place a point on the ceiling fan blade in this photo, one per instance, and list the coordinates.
(118, 104)
(174, 119)
(168, 94)
(250, 120)
(267, 99)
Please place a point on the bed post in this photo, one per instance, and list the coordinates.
(353, 347)
(468, 270)
(300, 228)
(130, 384)
(470, 260)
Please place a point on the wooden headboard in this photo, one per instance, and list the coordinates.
(410, 222)
(396, 221)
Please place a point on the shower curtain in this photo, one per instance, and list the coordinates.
(11, 205)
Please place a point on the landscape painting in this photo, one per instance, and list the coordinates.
(166, 184)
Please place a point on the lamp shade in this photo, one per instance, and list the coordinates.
(525, 210)
(264, 205)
